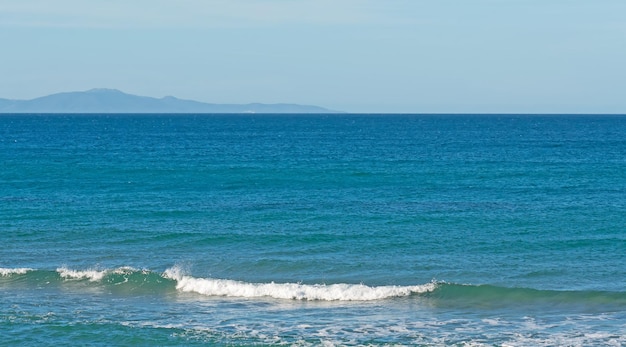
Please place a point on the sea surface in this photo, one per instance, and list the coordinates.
(313, 230)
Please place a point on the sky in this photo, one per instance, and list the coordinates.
(373, 56)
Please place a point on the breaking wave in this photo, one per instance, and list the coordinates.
(129, 280)
(295, 291)
(16, 271)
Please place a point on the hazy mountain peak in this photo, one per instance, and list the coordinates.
(103, 91)
(105, 100)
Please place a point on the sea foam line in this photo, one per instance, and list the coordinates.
(14, 271)
(294, 291)
(92, 275)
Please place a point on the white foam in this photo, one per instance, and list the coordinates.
(94, 275)
(362, 330)
(15, 271)
(91, 275)
(295, 291)
(127, 270)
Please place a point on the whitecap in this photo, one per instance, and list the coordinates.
(91, 275)
(14, 271)
(294, 291)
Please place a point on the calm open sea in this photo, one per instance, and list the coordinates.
(306, 230)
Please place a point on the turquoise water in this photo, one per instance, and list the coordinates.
(239, 230)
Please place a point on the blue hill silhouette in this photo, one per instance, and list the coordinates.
(102, 100)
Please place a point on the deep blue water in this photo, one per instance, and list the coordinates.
(313, 230)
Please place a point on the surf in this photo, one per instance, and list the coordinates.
(129, 280)
(293, 291)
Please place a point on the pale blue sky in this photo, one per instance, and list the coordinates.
(514, 56)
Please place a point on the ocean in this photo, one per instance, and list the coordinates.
(313, 230)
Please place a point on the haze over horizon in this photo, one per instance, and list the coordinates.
(449, 56)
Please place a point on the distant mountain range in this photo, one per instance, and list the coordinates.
(114, 101)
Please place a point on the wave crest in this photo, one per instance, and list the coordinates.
(128, 281)
(14, 271)
(96, 275)
(293, 291)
